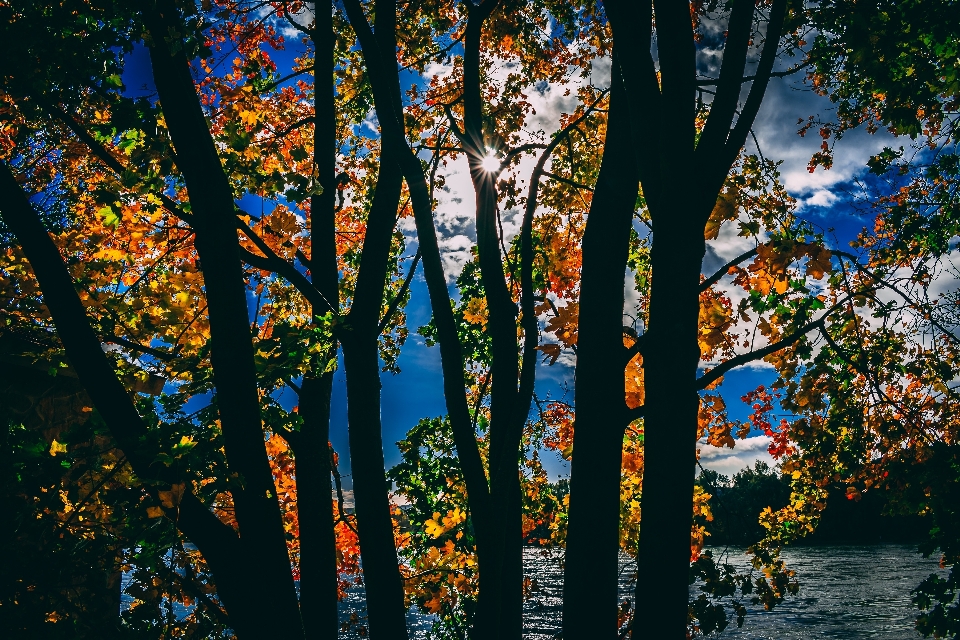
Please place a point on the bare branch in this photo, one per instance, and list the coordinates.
(722, 271)
(397, 299)
(717, 372)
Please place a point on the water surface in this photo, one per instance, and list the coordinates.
(846, 592)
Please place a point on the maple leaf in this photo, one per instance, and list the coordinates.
(476, 311)
(565, 324)
(57, 447)
(724, 210)
(819, 263)
(552, 351)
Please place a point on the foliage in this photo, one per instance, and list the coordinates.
(863, 344)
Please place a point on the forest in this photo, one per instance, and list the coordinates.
(218, 217)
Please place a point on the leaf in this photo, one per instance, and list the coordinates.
(154, 512)
(725, 209)
(432, 527)
(552, 351)
(171, 498)
(110, 218)
(184, 446)
(299, 154)
(476, 311)
(57, 447)
(819, 263)
(566, 324)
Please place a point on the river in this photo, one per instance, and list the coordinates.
(847, 592)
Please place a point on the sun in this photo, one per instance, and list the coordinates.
(491, 163)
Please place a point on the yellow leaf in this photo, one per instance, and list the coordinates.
(476, 312)
(432, 527)
(57, 447)
(154, 512)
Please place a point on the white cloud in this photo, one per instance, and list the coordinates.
(788, 101)
(819, 198)
(437, 69)
(730, 461)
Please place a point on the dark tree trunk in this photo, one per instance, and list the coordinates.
(592, 560)
(500, 604)
(671, 356)
(359, 339)
(211, 198)
(681, 180)
(381, 574)
(318, 555)
(240, 587)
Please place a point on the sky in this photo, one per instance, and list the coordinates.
(825, 198)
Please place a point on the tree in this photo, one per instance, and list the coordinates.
(144, 199)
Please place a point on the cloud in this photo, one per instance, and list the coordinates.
(348, 501)
(788, 101)
(437, 69)
(729, 461)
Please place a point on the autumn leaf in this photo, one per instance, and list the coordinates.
(552, 351)
(57, 447)
(724, 210)
(819, 263)
(172, 497)
(565, 324)
(476, 311)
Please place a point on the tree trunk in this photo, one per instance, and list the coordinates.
(670, 358)
(381, 575)
(241, 588)
(318, 556)
(214, 211)
(360, 336)
(592, 559)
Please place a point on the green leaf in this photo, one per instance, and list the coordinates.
(110, 217)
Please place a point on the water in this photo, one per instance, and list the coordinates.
(845, 592)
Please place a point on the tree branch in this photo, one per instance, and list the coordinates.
(764, 68)
(724, 105)
(165, 356)
(722, 271)
(709, 82)
(717, 372)
(568, 181)
(274, 263)
(218, 542)
(395, 303)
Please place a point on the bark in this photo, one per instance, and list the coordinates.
(217, 243)
(593, 529)
(671, 357)
(665, 160)
(499, 608)
(323, 225)
(242, 591)
(318, 556)
(384, 82)
(318, 553)
(382, 578)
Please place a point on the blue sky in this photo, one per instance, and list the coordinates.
(826, 199)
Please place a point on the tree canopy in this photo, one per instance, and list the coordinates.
(181, 259)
